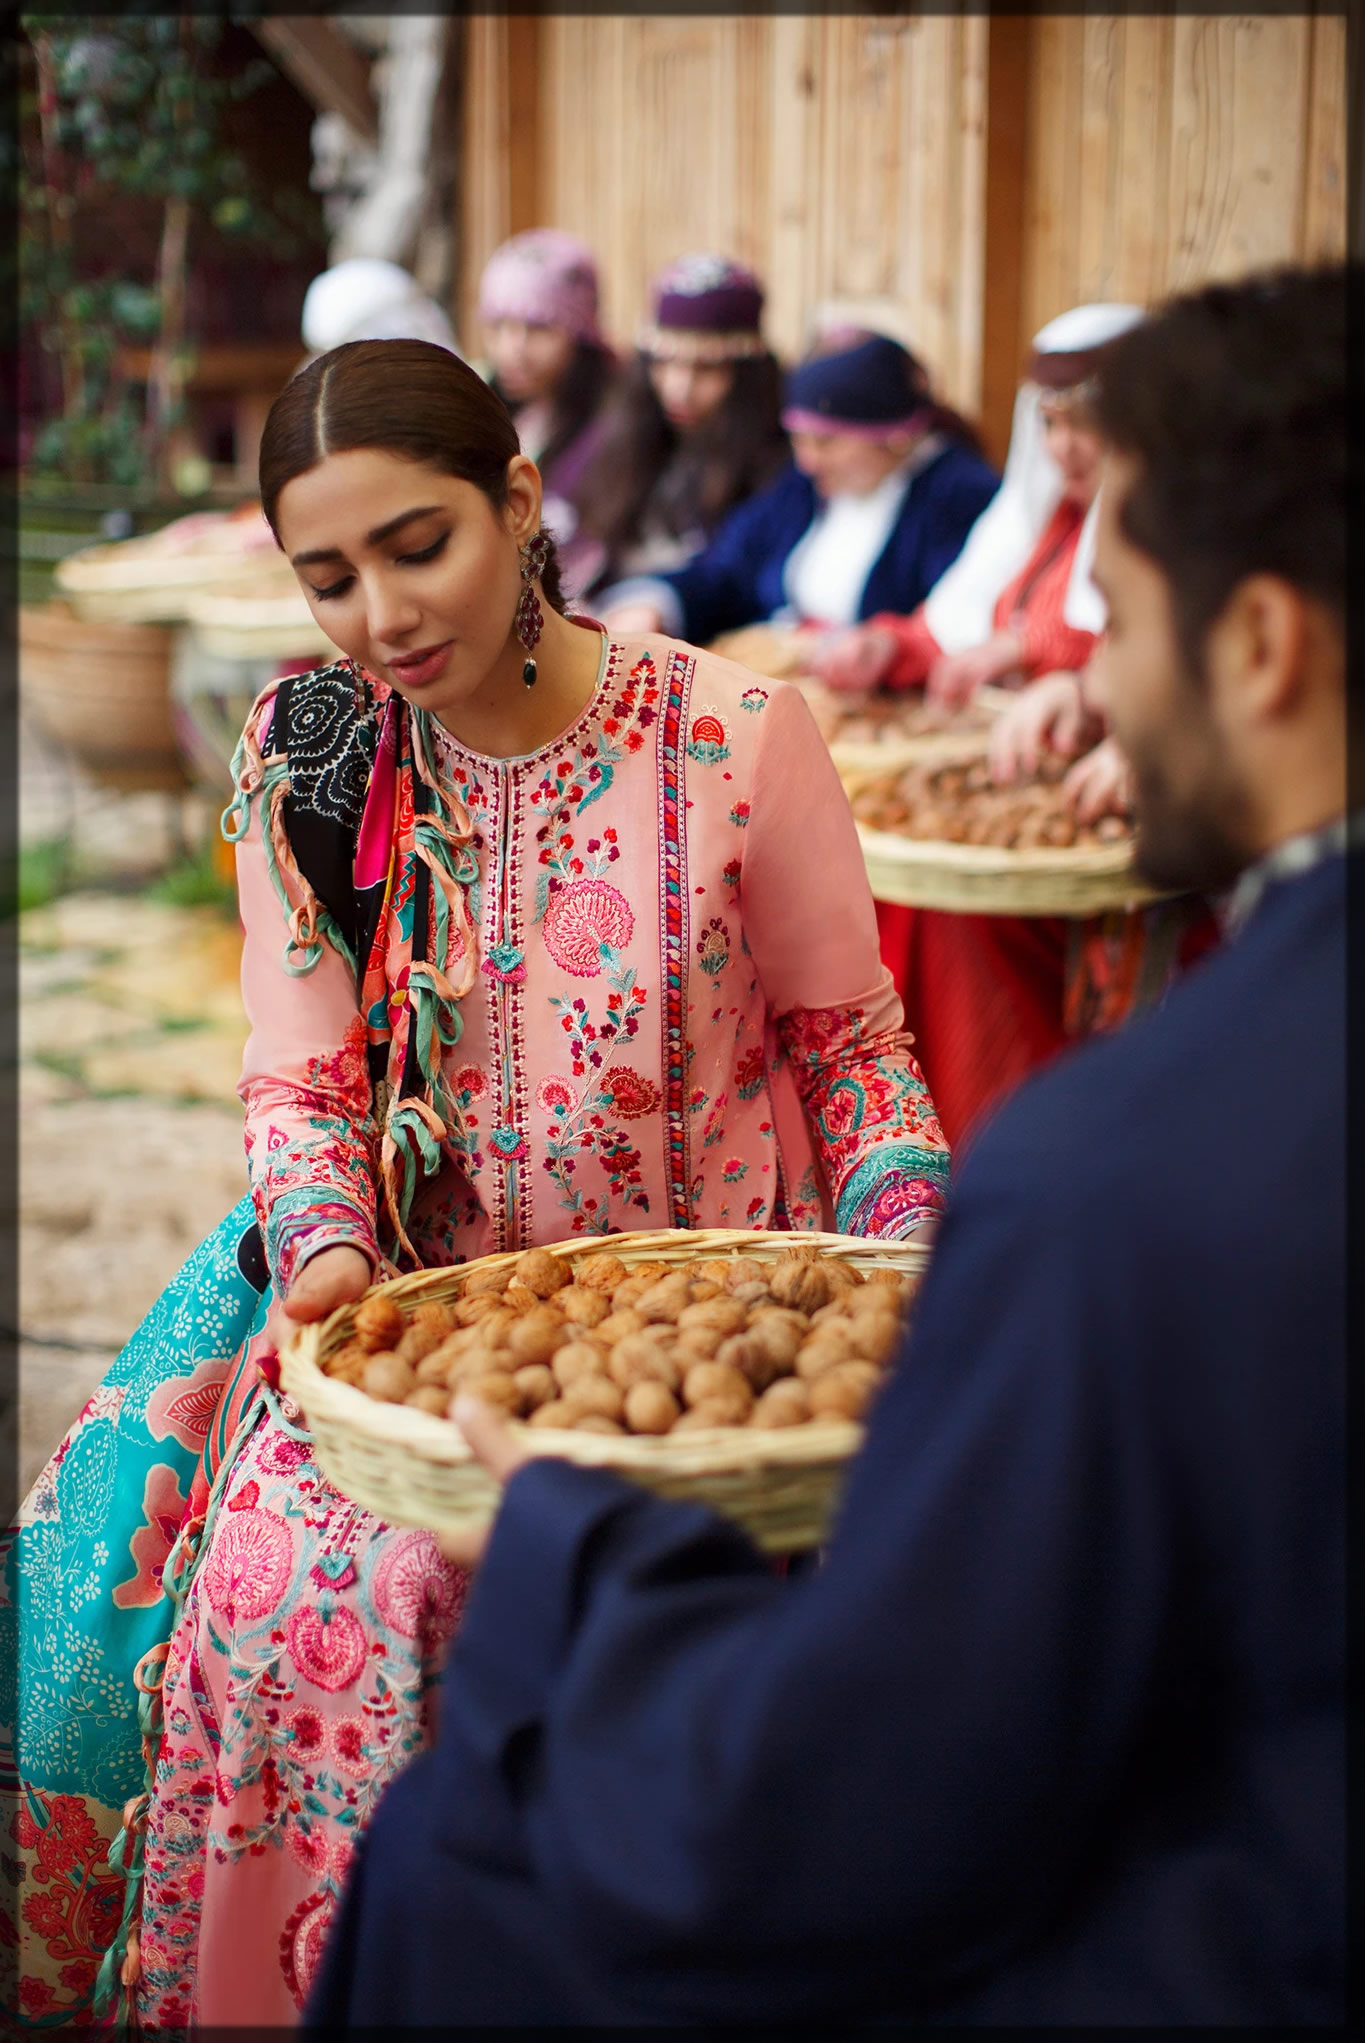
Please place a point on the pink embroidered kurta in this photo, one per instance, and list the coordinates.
(677, 952)
(677, 1017)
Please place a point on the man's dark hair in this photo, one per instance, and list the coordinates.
(1233, 402)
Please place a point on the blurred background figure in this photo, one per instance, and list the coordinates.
(365, 298)
(1010, 606)
(884, 486)
(548, 362)
(694, 428)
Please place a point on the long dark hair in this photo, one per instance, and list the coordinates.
(688, 480)
(405, 397)
(582, 389)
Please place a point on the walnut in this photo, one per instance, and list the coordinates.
(749, 1354)
(475, 1362)
(536, 1386)
(653, 1270)
(715, 1270)
(436, 1315)
(491, 1281)
(666, 1299)
(709, 1383)
(417, 1342)
(599, 1272)
(629, 1289)
(618, 1324)
(541, 1272)
(495, 1328)
(703, 1288)
(778, 1335)
(536, 1335)
(785, 1403)
(844, 1392)
(470, 1309)
(752, 1294)
(583, 1308)
(595, 1422)
(496, 1388)
(558, 1413)
(876, 1336)
(389, 1377)
(749, 1270)
(650, 1408)
(347, 1361)
(429, 1397)
(644, 1358)
(726, 1315)
(578, 1358)
(718, 1412)
(820, 1352)
(597, 1394)
(699, 1344)
(519, 1299)
(433, 1368)
(800, 1283)
(892, 1279)
(378, 1323)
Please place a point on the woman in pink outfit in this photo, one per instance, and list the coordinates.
(546, 936)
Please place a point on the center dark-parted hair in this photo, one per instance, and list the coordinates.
(1233, 402)
(408, 398)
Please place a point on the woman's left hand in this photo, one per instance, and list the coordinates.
(494, 1444)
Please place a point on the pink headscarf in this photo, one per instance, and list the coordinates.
(545, 277)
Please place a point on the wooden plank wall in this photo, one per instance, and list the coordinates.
(1123, 157)
(840, 156)
(1166, 150)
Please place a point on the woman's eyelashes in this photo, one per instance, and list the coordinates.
(428, 553)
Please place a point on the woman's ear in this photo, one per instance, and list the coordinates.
(523, 498)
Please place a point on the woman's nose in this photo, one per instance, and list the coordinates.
(391, 612)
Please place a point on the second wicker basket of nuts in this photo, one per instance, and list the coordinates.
(729, 1367)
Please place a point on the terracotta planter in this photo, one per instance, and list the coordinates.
(101, 693)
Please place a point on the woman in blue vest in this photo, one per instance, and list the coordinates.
(884, 487)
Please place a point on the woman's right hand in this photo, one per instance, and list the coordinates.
(853, 660)
(1048, 716)
(634, 620)
(334, 1276)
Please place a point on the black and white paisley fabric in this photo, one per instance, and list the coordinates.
(327, 726)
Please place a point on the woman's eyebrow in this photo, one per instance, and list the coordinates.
(375, 538)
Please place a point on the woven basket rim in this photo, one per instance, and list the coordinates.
(723, 1450)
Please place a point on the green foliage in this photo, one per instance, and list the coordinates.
(133, 109)
(196, 882)
(44, 874)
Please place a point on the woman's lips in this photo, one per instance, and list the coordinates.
(414, 670)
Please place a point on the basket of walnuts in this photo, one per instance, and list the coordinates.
(720, 1366)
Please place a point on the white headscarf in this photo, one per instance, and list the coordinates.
(365, 298)
(960, 608)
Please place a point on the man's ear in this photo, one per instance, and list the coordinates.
(523, 498)
(1256, 649)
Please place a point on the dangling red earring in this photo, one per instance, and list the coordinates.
(530, 620)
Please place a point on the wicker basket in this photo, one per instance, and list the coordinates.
(101, 693)
(984, 879)
(264, 619)
(151, 580)
(414, 1469)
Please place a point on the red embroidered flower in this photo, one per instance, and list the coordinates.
(552, 1093)
(471, 1080)
(632, 1096)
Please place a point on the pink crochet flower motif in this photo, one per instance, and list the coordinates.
(581, 918)
(554, 1093)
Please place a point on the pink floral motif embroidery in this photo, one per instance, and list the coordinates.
(580, 919)
(348, 1746)
(556, 1094)
(414, 1590)
(163, 1507)
(632, 1096)
(301, 1943)
(248, 1566)
(713, 947)
(328, 1650)
(709, 743)
(470, 1081)
(308, 1728)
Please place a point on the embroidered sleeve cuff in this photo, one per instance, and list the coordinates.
(300, 1224)
(891, 1190)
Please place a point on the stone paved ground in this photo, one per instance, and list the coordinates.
(131, 1033)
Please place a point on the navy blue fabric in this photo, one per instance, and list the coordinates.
(737, 579)
(1056, 1734)
(868, 385)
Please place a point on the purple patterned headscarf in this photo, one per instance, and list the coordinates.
(545, 277)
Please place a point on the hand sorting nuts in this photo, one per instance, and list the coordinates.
(960, 804)
(593, 1345)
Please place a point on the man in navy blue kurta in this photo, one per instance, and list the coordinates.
(1056, 1733)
